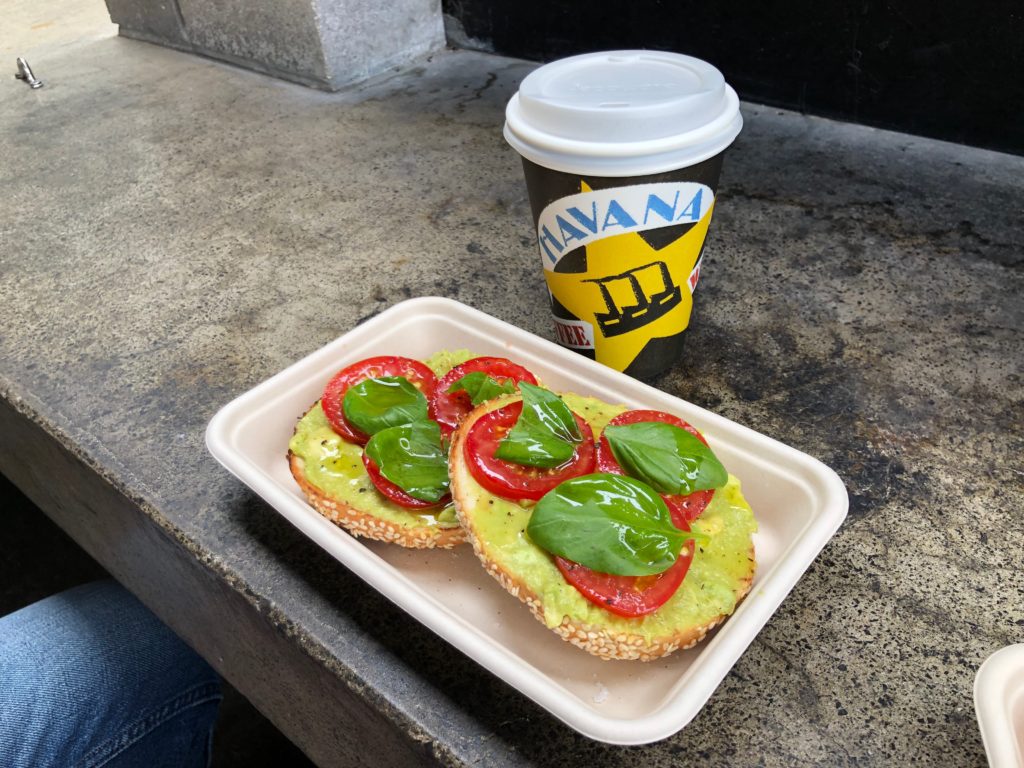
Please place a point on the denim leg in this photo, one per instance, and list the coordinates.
(91, 678)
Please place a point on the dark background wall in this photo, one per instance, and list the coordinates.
(949, 70)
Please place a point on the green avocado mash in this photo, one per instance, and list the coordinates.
(335, 466)
(710, 586)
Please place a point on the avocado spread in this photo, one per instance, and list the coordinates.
(716, 575)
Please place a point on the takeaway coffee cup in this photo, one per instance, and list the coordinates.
(622, 151)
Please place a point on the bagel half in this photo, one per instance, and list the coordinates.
(719, 577)
(330, 473)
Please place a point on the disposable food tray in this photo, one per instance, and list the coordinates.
(798, 502)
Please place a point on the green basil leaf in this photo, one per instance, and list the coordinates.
(609, 523)
(389, 401)
(411, 456)
(482, 387)
(544, 435)
(668, 458)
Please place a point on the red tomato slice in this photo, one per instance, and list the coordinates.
(687, 507)
(416, 372)
(629, 596)
(394, 492)
(449, 408)
(514, 481)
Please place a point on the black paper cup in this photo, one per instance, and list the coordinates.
(622, 193)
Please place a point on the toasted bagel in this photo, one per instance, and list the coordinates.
(719, 577)
(355, 510)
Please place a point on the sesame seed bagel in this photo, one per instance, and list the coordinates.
(719, 577)
(330, 473)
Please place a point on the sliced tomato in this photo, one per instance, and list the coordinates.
(416, 372)
(629, 596)
(449, 408)
(690, 506)
(687, 507)
(514, 481)
(394, 492)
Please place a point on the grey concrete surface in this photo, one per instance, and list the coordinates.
(31, 27)
(191, 237)
(327, 44)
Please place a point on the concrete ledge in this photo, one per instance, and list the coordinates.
(199, 228)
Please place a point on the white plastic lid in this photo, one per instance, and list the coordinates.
(622, 113)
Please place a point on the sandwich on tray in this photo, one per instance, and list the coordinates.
(620, 529)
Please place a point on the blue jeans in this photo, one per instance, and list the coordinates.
(91, 678)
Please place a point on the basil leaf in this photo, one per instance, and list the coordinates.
(482, 387)
(411, 457)
(666, 457)
(609, 523)
(544, 435)
(389, 401)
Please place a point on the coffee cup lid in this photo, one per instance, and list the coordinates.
(622, 113)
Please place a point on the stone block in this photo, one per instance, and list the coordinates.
(327, 44)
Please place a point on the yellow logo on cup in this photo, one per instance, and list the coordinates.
(631, 292)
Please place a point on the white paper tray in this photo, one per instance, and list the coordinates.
(798, 501)
(999, 703)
